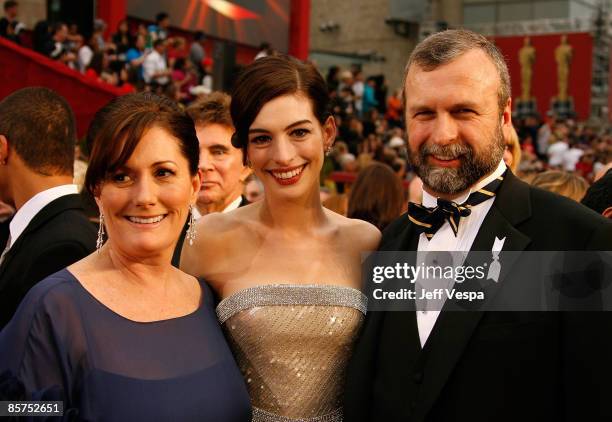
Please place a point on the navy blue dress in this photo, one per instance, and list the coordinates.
(64, 343)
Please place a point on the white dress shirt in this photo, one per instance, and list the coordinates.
(32, 207)
(231, 207)
(445, 240)
(85, 55)
(571, 158)
(555, 153)
(155, 63)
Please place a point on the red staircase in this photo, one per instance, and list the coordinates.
(21, 67)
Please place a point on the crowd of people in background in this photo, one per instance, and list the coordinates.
(140, 58)
(183, 162)
(558, 154)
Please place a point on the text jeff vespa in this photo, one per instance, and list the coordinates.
(423, 273)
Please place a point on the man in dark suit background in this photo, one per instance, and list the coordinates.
(478, 365)
(6, 213)
(49, 230)
(599, 195)
(222, 165)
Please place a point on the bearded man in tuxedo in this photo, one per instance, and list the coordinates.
(478, 365)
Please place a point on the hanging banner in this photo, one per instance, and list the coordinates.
(557, 68)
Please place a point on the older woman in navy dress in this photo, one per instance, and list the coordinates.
(122, 335)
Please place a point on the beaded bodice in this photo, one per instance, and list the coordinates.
(292, 344)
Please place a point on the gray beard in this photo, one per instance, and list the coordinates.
(473, 165)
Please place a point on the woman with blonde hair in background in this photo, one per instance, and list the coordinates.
(512, 153)
(564, 183)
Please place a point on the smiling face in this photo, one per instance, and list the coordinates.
(286, 146)
(223, 171)
(455, 128)
(145, 203)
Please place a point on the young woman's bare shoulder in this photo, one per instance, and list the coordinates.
(219, 228)
(358, 233)
(214, 232)
(216, 224)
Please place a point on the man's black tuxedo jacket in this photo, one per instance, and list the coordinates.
(57, 236)
(4, 233)
(176, 256)
(491, 366)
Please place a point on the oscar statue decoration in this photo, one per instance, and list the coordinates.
(563, 103)
(526, 104)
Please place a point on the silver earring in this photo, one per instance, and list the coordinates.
(191, 230)
(100, 240)
(328, 150)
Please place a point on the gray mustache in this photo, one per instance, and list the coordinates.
(446, 152)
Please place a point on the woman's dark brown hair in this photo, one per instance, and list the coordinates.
(268, 78)
(377, 196)
(118, 127)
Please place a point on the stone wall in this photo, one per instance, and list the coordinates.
(30, 11)
(362, 28)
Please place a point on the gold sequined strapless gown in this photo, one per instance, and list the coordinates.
(292, 344)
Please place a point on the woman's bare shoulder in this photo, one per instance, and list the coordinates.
(216, 233)
(357, 233)
(218, 225)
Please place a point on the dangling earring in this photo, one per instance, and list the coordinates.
(328, 150)
(100, 240)
(191, 230)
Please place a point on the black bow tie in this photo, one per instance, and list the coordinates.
(429, 220)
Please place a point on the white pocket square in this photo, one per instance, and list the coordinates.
(498, 244)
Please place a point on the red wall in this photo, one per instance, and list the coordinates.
(112, 12)
(544, 83)
(299, 29)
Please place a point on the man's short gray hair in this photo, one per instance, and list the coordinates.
(444, 47)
